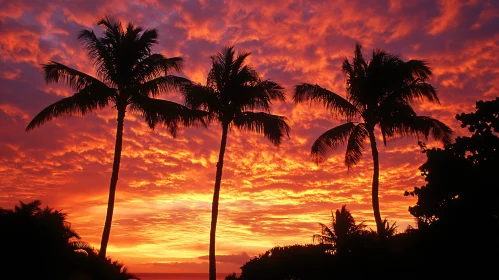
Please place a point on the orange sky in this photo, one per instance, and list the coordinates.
(269, 196)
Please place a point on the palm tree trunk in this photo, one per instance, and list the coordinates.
(214, 206)
(375, 187)
(114, 181)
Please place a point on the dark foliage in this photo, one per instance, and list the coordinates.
(463, 179)
(289, 262)
(431, 252)
(38, 243)
(342, 233)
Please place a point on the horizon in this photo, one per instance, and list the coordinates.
(269, 196)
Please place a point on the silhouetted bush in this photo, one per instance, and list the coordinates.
(38, 243)
(463, 179)
(429, 252)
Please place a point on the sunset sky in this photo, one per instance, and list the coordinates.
(270, 196)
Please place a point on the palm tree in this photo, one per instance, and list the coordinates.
(129, 76)
(342, 227)
(233, 92)
(389, 230)
(380, 93)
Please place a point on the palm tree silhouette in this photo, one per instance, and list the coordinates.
(129, 75)
(342, 227)
(380, 93)
(389, 230)
(233, 92)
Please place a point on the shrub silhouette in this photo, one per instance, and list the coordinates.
(463, 179)
(38, 243)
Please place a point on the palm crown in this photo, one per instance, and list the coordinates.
(129, 75)
(234, 91)
(380, 93)
(342, 226)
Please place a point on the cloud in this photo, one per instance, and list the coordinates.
(235, 259)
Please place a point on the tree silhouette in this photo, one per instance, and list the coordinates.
(231, 276)
(462, 179)
(233, 93)
(38, 243)
(389, 230)
(380, 93)
(129, 75)
(290, 262)
(342, 227)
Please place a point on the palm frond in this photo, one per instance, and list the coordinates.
(229, 73)
(257, 96)
(161, 84)
(389, 114)
(416, 90)
(238, 63)
(167, 113)
(246, 76)
(356, 77)
(355, 145)
(30, 209)
(88, 99)
(272, 89)
(419, 69)
(57, 72)
(343, 223)
(419, 126)
(146, 40)
(358, 59)
(197, 96)
(155, 65)
(359, 228)
(389, 230)
(406, 82)
(330, 140)
(273, 127)
(327, 236)
(113, 30)
(101, 52)
(82, 247)
(332, 101)
(353, 85)
(221, 68)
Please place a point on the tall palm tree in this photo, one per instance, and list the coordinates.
(233, 93)
(342, 227)
(380, 93)
(129, 74)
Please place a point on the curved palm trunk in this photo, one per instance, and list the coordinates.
(114, 181)
(214, 206)
(375, 187)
